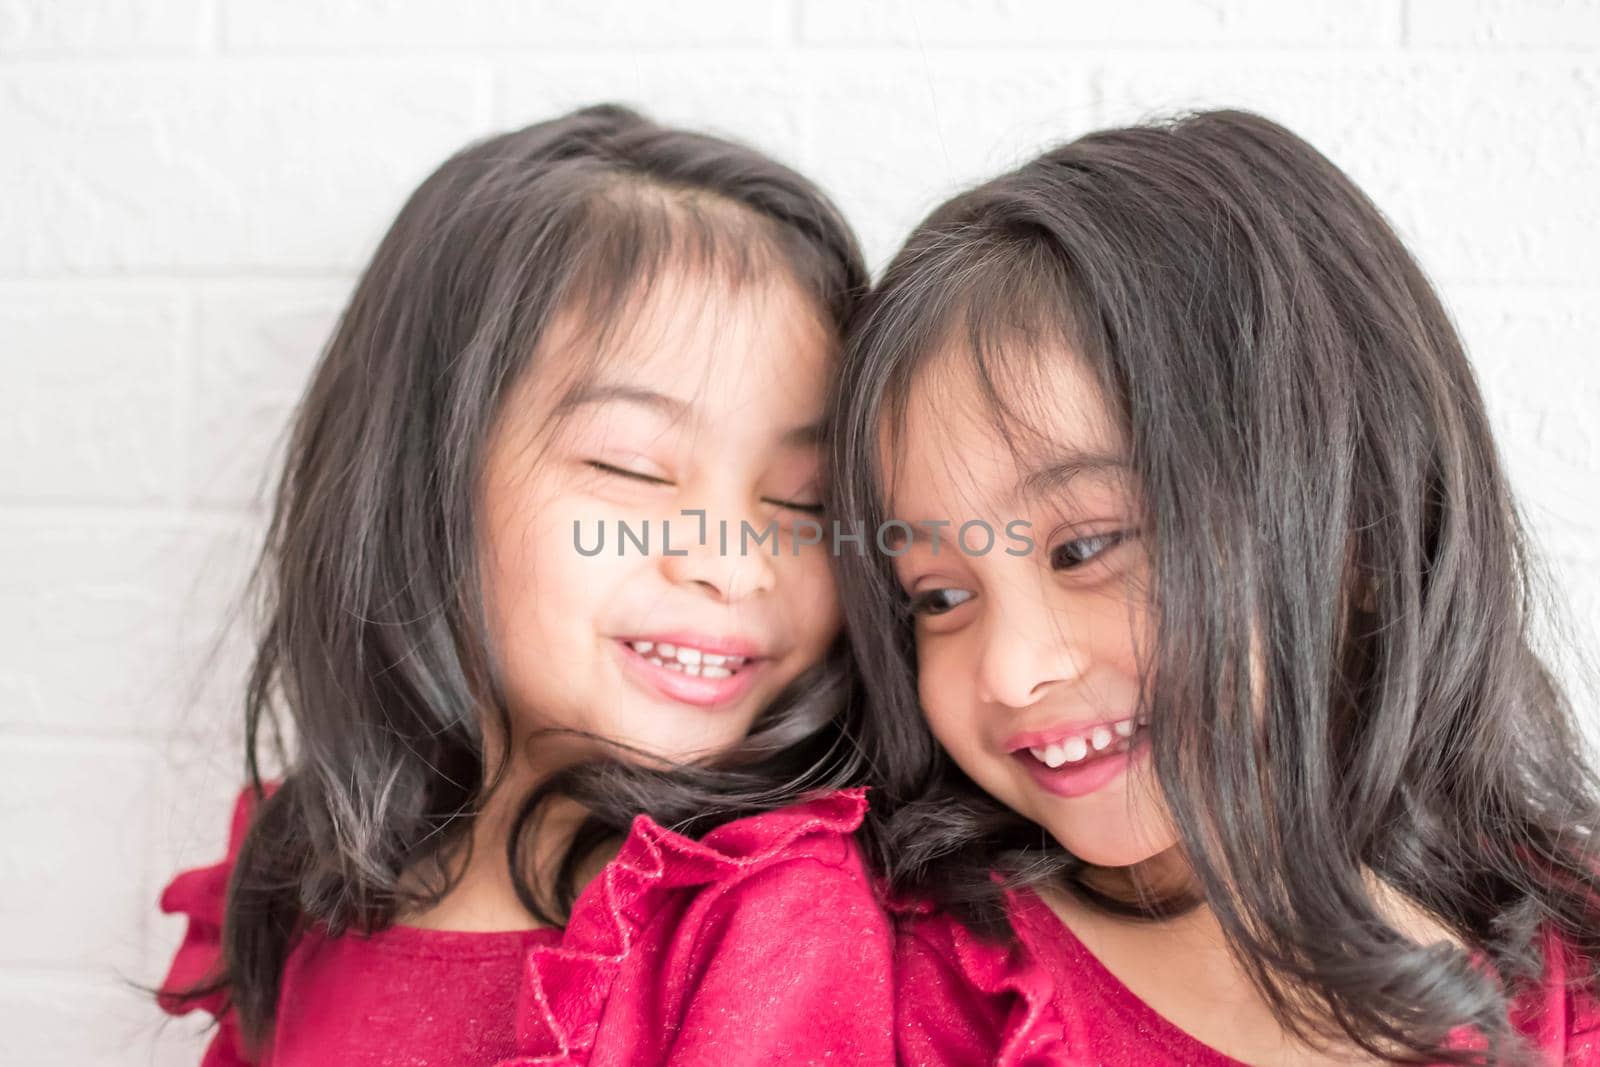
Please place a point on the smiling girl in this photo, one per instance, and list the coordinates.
(1250, 758)
(543, 805)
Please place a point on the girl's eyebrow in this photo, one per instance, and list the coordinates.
(1045, 480)
(806, 436)
(1055, 475)
(607, 392)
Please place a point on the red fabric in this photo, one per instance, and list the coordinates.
(1046, 1000)
(761, 944)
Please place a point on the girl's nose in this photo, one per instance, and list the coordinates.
(729, 568)
(1025, 654)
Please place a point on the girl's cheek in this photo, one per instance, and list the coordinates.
(809, 594)
(1113, 622)
(944, 688)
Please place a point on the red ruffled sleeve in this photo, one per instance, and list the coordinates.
(1582, 1048)
(201, 894)
(761, 943)
(960, 999)
(1562, 1015)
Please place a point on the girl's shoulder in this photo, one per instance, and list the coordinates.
(731, 946)
(963, 997)
(738, 940)
(752, 863)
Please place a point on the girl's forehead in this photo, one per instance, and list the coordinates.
(717, 345)
(983, 423)
(685, 322)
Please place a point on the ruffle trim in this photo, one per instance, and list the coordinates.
(1022, 990)
(201, 894)
(1562, 1012)
(566, 985)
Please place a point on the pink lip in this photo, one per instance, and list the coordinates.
(1081, 779)
(1057, 734)
(685, 688)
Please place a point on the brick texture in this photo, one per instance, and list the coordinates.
(191, 185)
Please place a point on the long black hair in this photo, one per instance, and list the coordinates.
(374, 656)
(1322, 501)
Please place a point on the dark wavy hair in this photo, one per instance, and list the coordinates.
(1316, 470)
(374, 661)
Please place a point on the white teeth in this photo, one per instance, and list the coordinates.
(664, 655)
(1076, 749)
(675, 657)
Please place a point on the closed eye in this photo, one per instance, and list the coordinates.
(651, 479)
(623, 472)
(804, 509)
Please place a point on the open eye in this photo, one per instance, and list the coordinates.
(1075, 553)
(938, 601)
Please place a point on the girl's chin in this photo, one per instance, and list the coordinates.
(1110, 858)
(663, 752)
(1113, 846)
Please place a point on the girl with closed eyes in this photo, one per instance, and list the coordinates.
(542, 803)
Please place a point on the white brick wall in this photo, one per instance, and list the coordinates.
(189, 186)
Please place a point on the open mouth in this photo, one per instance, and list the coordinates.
(1107, 739)
(1086, 760)
(694, 674)
(691, 661)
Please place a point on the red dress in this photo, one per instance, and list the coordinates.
(1048, 1002)
(762, 943)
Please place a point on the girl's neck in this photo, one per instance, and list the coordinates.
(483, 896)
